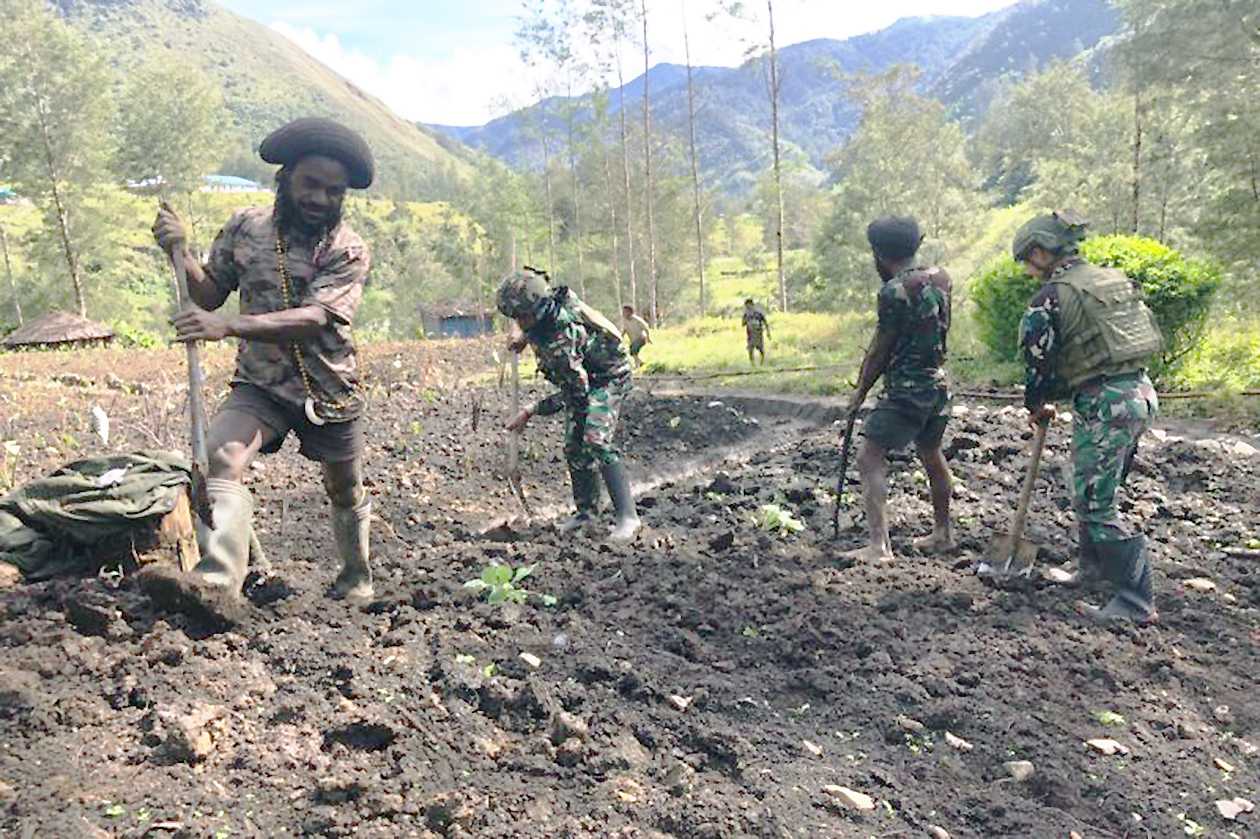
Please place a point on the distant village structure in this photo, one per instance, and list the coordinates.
(210, 183)
(456, 320)
(58, 330)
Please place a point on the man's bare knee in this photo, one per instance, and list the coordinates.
(229, 460)
(870, 459)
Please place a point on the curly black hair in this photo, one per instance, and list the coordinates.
(894, 237)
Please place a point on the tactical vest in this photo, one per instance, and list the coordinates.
(1105, 327)
(593, 320)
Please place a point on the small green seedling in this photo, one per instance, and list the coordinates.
(500, 583)
(773, 518)
(1110, 718)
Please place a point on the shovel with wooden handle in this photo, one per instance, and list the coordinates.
(1011, 555)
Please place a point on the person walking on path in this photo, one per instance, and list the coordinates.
(756, 330)
(636, 329)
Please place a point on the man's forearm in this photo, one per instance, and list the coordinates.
(279, 327)
(201, 288)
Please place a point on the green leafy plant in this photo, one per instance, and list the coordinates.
(1178, 290)
(1110, 719)
(500, 582)
(773, 518)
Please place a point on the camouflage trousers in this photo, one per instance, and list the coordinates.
(588, 435)
(1109, 417)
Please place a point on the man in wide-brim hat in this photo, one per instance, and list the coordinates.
(300, 271)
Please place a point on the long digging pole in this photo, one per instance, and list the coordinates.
(196, 403)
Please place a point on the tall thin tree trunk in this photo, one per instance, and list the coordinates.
(63, 212)
(1137, 156)
(612, 227)
(654, 300)
(625, 169)
(8, 270)
(577, 203)
(778, 178)
(695, 170)
(552, 267)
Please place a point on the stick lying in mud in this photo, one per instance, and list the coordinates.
(196, 404)
(844, 467)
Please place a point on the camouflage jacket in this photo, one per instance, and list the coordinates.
(915, 306)
(754, 323)
(329, 273)
(576, 360)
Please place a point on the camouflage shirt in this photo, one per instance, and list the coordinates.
(915, 306)
(754, 323)
(575, 359)
(1040, 342)
(329, 273)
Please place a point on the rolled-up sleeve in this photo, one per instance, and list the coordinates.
(339, 280)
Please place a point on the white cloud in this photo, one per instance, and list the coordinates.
(466, 86)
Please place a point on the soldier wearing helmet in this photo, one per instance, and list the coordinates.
(1087, 337)
(580, 351)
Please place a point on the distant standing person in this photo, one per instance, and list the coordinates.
(757, 330)
(1087, 336)
(636, 329)
(909, 351)
(300, 271)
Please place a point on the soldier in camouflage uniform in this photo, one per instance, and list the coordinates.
(756, 330)
(908, 350)
(1086, 337)
(300, 271)
(580, 351)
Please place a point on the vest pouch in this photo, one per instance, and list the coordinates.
(1115, 330)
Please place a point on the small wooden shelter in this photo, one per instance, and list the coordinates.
(58, 330)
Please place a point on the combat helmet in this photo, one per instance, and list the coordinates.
(521, 291)
(1059, 232)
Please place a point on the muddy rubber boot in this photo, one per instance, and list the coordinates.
(618, 483)
(212, 589)
(1125, 565)
(585, 499)
(351, 529)
(1088, 572)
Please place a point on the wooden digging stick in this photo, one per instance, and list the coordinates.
(196, 404)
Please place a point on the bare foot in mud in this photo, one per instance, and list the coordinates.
(871, 555)
(173, 590)
(935, 543)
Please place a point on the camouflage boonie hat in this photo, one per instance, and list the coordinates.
(520, 291)
(1059, 232)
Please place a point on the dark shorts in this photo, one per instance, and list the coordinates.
(335, 442)
(757, 343)
(635, 346)
(902, 417)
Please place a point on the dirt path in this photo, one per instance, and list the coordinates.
(709, 681)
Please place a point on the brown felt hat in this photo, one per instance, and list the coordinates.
(316, 135)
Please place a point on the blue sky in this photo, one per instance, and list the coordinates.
(454, 61)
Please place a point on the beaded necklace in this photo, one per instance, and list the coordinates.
(286, 288)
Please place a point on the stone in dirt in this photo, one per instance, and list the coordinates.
(812, 748)
(850, 798)
(680, 703)
(565, 726)
(910, 724)
(958, 743)
(1232, 809)
(1020, 770)
(1201, 584)
(1107, 746)
(1223, 765)
(937, 832)
(186, 736)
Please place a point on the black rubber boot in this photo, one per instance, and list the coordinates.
(351, 529)
(585, 499)
(1126, 567)
(618, 483)
(1088, 572)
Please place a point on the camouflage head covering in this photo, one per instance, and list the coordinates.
(1059, 232)
(521, 291)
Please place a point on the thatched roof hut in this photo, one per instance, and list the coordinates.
(58, 329)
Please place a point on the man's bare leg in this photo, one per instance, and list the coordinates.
(941, 484)
(873, 467)
(352, 514)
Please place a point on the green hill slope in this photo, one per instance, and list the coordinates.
(266, 80)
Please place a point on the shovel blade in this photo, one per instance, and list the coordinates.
(1005, 559)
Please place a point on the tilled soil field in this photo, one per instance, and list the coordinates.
(713, 679)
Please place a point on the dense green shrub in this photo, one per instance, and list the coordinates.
(1178, 290)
